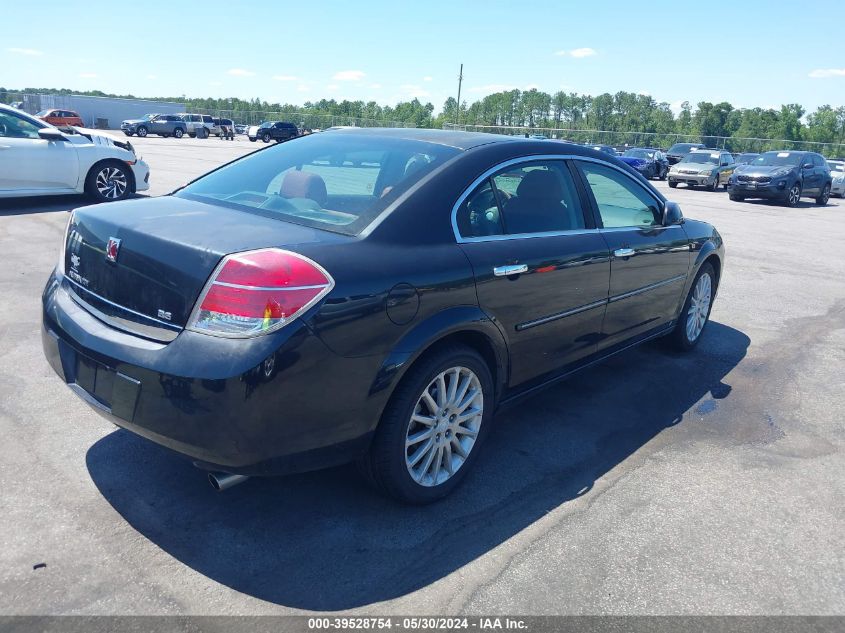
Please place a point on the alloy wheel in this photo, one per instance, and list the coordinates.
(794, 195)
(699, 307)
(111, 183)
(444, 426)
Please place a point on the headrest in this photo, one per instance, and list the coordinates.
(540, 183)
(304, 184)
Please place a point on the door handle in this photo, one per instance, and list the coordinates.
(624, 252)
(512, 269)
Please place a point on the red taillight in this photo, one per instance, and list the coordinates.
(259, 291)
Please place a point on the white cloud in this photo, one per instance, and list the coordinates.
(413, 91)
(303, 88)
(332, 87)
(215, 83)
(240, 72)
(285, 77)
(349, 75)
(675, 106)
(87, 75)
(32, 52)
(577, 52)
(531, 87)
(491, 88)
(644, 93)
(375, 86)
(152, 76)
(824, 73)
(427, 78)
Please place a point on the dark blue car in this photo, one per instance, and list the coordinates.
(651, 163)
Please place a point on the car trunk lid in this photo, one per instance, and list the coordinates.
(149, 260)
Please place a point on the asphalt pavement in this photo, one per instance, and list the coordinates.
(654, 483)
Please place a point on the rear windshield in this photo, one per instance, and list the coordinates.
(772, 159)
(701, 157)
(337, 182)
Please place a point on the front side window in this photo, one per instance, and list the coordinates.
(535, 197)
(12, 126)
(621, 201)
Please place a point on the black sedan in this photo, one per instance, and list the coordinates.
(369, 295)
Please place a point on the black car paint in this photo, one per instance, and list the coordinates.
(260, 405)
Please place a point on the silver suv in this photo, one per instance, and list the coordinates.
(194, 121)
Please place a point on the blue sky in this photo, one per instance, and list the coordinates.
(750, 53)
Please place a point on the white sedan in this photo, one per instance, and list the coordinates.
(38, 159)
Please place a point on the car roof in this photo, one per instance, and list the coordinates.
(467, 140)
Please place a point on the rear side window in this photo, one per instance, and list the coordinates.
(530, 198)
(334, 182)
(620, 200)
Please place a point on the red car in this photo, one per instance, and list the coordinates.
(61, 118)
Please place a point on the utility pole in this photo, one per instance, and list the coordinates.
(460, 80)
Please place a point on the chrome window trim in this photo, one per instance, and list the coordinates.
(532, 159)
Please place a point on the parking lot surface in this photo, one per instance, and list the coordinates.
(655, 483)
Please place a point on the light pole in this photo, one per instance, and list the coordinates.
(460, 80)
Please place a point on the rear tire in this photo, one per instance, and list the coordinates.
(695, 314)
(447, 445)
(672, 184)
(109, 181)
(178, 132)
(824, 197)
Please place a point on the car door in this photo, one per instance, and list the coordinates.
(542, 269)
(649, 261)
(28, 162)
(809, 176)
(726, 167)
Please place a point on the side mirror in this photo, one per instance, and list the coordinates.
(51, 134)
(672, 214)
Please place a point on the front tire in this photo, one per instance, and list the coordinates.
(142, 131)
(266, 137)
(695, 314)
(824, 197)
(128, 133)
(793, 196)
(432, 428)
(109, 181)
(672, 184)
(736, 198)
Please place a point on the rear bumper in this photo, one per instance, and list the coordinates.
(274, 404)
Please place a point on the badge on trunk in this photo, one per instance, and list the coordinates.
(112, 248)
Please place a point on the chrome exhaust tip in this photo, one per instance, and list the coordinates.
(224, 481)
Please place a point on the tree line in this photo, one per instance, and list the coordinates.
(622, 115)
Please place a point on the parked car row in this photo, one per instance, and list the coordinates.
(178, 125)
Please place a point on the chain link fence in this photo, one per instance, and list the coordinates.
(113, 111)
(621, 140)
